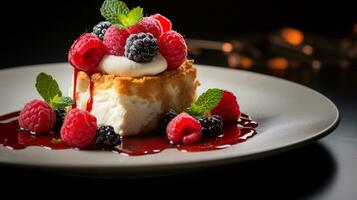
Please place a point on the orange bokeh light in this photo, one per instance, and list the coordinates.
(278, 63)
(246, 62)
(227, 47)
(307, 49)
(292, 36)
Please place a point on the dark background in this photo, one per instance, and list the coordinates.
(35, 32)
(42, 31)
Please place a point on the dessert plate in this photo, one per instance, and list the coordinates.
(288, 115)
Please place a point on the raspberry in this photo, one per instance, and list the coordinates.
(79, 129)
(184, 129)
(37, 116)
(114, 40)
(147, 25)
(107, 138)
(212, 125)
(228, 107)
(141, 47)
(86, 53)
(100, 29)
(173, 47)
(165, 23)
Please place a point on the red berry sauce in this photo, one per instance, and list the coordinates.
(12, 137)
(90, 100)
(74, 95)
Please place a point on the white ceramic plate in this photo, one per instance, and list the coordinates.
(288, 114)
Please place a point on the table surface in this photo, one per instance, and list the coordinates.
(326, 169)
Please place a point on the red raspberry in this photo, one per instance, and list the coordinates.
(184, 129)
(228, 107)
(79, 128)
(115, 39)
(173, 47)
(37, 116)
(165, 23)
(86, 53)
(147, 25)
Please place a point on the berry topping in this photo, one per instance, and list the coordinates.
(167, 117)
(173, 47)
(79, 128)
(147, 25)
(228, 107)
(165, 23)
(100, 29)
(184, 129)
(60, 115)
(107, 138)
(141, 47)
(212, 125)
(115, 39)
(37, 116)
(86, 53)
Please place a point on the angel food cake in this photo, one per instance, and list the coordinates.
(131, 77)
(128, 74)
(133, 105)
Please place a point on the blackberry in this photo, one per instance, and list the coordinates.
(107, 138)
(167, 117)
(141, 47)
(212, 125)
(100, 29)
(60, 115)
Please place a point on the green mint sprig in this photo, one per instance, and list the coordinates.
(205, 102)
(48, 88)
(118, 13)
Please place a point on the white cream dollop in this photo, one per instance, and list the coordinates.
(122, 66)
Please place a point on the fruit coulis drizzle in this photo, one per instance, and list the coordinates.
(90, 100)
(75, 77)
(13, 137)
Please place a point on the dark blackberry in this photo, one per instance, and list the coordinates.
(100, 29)
(107, 138)
(60, 115)
(141, 47)
(212, 125)
(167, 117)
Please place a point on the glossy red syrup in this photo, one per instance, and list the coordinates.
(90, 100)
(75, 77)
(12, 137)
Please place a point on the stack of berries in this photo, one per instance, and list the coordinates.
(127, 33)
(205, 117)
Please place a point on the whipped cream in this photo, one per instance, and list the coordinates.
(122, 66)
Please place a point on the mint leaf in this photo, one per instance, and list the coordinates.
(206, 102)
(47, 87)
(116, 12)
(111, 9)
(60, 102)
(133, 17)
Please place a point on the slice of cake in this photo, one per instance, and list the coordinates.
(131, 69)
(134, 105)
